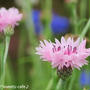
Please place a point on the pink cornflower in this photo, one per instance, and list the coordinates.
(64, 54)
(9, 17)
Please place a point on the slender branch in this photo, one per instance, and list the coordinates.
(7, 41)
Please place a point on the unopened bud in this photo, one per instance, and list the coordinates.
(8, 31)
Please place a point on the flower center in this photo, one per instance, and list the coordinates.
(69, 50)
(56, 49)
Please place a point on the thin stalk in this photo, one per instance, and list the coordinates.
(52, 81)
(1, 55)
(9, 74)
(7, 41)
(83, 8)
(27, 8)
(21, 67)
(47, 16)
(75, 18)
(48, 5)
(89, 7)
(86, 28)
(50, 84)
(72, 80)
(59, 85)
(48, 10)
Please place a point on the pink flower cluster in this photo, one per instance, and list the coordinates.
(9, 17)
(65, 53)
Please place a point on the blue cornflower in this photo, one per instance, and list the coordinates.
(59, 25)
(85, 79)
(37, 23)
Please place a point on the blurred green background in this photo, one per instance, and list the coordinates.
(45, 19)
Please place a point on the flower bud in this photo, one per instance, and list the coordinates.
(64, 73)
(8, 31)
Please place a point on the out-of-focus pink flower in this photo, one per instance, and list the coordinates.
(9, 17)
(66, 53)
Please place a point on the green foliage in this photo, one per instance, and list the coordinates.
(28, 68)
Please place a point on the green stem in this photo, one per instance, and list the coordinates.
(75, 18)
(52, 81)
(21, 67)
(89, 7)
(72, 80)
(48, 10)
(7, 41)
(59, 85)
(1, 54)
(9, 74)
(83, 8)
(85, 29)
(50, 84)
